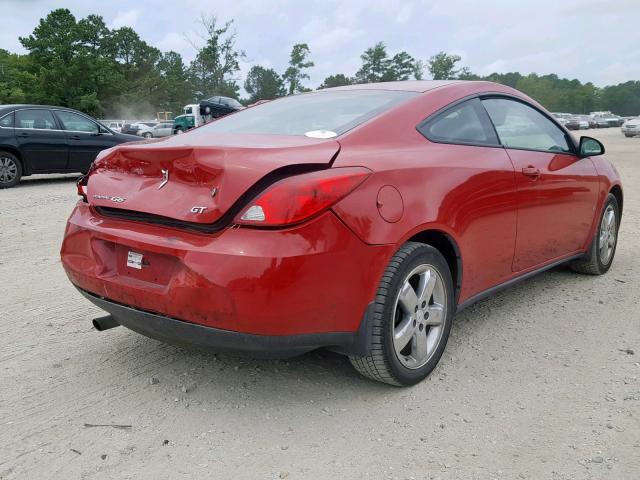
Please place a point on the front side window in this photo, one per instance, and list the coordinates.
(7, 121)
(77, 123)
(327, 113)
(521, 126)
(35, 118)
(465, 123)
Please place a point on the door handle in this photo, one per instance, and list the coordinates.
(75, 137)
(23, 135)
(531, 171)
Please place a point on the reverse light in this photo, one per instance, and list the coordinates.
(301, 197)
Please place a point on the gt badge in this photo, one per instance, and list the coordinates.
(198, 209)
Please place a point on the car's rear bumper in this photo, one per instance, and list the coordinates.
(317, 278)
(178, 332)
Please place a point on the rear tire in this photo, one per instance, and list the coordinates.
(147, 135)
(10, 170)
(411, 319)
(599, 258)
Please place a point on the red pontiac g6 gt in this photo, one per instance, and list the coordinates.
(356, 218)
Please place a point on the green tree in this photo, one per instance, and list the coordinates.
(298, 61)
(175, 89)
(442, 66)
(623, 99)
(213, 71)
(263, 84)
(337, 80)
(404, 67)
(375, 65)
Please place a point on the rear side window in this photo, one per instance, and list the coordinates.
(521, 126)
(7, 121)
(76, 123)
(465, 123)
(35, 118)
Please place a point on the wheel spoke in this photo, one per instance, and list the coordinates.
(408, 299)
(403, 333)
(610, 219)
(419, 350)
(427, 284)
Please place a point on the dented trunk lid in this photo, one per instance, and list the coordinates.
(197, 178)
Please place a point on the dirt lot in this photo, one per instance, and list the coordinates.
(539, 382)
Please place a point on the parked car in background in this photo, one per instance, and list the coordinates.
(130, 128)
(591, 123)
(219, 106)
(562, 118)
(572, 123)
(43, 139)
(163, 129)
(145, 129)
(602, 122)
(114, 125)
(356, 218)
(615, 121)
(631, 128)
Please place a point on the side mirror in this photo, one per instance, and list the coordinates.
(590, 147)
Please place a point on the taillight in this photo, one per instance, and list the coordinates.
(301, 197)
(82, 187)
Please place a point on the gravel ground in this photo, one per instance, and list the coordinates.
(538, 382)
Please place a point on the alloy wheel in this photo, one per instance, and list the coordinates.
(8, 169)
(419, 315)
(607, 236)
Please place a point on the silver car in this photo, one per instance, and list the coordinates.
(631, 128)
(163, 129)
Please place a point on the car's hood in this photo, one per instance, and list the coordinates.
(196, 177)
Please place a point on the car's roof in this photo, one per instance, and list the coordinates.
(407, 85)
(16, 106)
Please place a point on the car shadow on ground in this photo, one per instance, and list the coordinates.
(309, 376)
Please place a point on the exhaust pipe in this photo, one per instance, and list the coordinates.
(105, 323)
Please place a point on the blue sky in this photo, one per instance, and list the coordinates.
(592, 40)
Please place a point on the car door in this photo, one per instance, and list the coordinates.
(85, 139)
(556, 190)
(481, 204)
(42, 142)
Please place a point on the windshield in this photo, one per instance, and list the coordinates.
(330, 112)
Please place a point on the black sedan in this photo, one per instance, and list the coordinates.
(42, 139)
(219, 106)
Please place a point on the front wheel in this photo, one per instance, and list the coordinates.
(147, 135)
(599, 258)
(412, 317)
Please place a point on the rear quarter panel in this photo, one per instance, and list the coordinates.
(467, 192)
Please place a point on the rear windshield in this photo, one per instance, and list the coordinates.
(329, 111)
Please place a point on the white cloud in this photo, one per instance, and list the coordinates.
(176, 42)
(586, 39)
(127, 18)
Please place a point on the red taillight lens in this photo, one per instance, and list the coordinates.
(82, 187)
(301, 197)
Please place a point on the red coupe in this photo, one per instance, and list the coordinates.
(357, 218)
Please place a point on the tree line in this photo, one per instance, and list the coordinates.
(112, 72)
